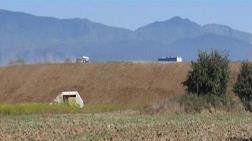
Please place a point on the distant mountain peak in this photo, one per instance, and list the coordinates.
(177, 19)
(172, 22)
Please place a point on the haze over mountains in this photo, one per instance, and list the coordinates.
(36, 39)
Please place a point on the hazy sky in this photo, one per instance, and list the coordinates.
(135, 13)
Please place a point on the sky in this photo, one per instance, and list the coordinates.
(133, 14)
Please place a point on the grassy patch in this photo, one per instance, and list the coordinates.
(33, 108)
(44, 108)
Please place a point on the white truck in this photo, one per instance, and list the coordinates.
(83, 60)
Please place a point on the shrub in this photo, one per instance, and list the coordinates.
(169, 105)
(192, 103)
(243, 85)
(211, 103)
(209, 74)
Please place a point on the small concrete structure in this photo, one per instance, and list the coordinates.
(71, 97)
(170, 59)
(83, 60)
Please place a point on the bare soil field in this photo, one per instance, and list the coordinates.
(116, 83)
(127, 126)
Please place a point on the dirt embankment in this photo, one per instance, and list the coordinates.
(125, 83)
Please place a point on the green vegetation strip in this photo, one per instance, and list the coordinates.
(41, 108)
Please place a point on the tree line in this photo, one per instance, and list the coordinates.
(209, 77)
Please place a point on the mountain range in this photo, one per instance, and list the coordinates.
(38, 39)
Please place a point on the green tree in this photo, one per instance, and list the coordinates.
(243, 85)
(209, 74)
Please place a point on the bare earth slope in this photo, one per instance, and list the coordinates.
(124, 83)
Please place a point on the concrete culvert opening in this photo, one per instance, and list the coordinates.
(70, 97)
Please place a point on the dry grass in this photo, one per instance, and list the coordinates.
(126, 126)
(113, 83)
(195, 104)
(116, 83)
